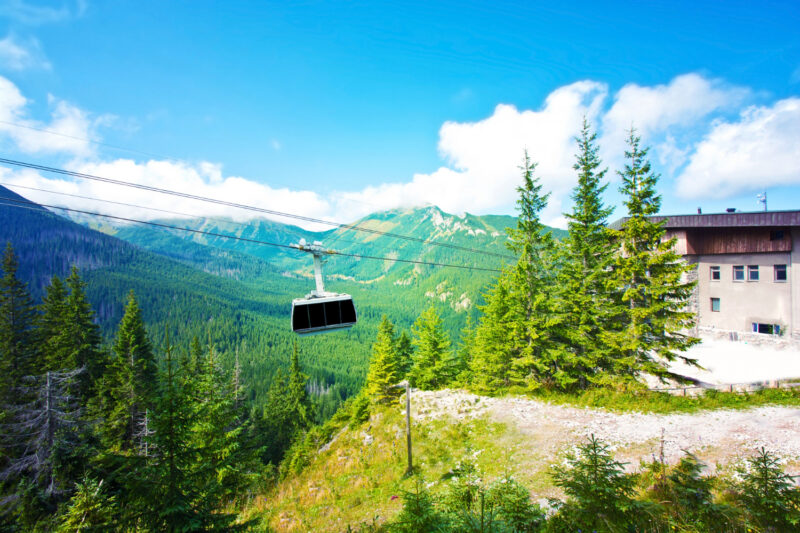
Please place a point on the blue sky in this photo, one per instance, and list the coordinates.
(338, 109)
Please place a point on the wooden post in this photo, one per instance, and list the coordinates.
(407, 385)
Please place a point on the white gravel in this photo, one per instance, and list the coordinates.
(719, 436)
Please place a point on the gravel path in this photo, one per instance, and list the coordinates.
(718, 436)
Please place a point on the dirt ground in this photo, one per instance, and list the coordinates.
(718, 437)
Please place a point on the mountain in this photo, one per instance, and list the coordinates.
(195, 293)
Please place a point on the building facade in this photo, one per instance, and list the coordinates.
(746, 266)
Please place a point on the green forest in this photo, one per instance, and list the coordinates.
(146, 391)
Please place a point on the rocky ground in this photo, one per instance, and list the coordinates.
(718, 437)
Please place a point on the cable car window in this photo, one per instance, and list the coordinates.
(348, 312)
(333, 317)
(300, 317)
(316, 312)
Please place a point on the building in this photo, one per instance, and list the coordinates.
(745, 270)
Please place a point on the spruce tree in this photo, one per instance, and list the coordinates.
(584, 294)
(130, 382)
(652, 315)
(298, 395)
(494, 343)
(53, 327)
(434, 366)
(383, 371)
(531, 289)
(18, 346)
(405, 354)
(84, 336)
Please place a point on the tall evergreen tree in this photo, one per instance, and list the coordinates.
(18, 346)
(491, 362)
(434, 365)
(298, 394)
(531, 288)
(383, 371)
(405, 354)
(85, 337)
(584, 292)
(130, 382)
(53, 326)
(652, 293)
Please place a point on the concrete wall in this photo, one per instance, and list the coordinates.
(794, 277)
(745, 302)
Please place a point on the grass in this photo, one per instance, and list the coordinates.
(665, 403)
(353, 483)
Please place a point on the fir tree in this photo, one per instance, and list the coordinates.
(53, 326)
(84, 336)
(90, 509)
(434, 366)
(298, 394)
(383, 371)
(494, 343)
(18, 354)
(130, 382)
(649, 281)
(405, 354)
(531, 289)
(584, 294)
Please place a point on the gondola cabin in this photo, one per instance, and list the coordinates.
(313, 315)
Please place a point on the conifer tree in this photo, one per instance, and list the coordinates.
(169, 498)
(274, 426)
(491, 363)
(298, 395)
(434, 366)
(218, 433)
(18, 353)
(130, 382)
(405, 354)
(649, 278)
(84, 336)
(532, 287)
(383, 371)
(53, 328)
(584, 293)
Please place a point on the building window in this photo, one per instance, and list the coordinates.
(780, 272)
(715, 305)
(776, 235)
(714, 273)
(767, 329)
(738, 273)
(752, 272)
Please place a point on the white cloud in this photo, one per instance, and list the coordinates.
(761, 149)
(683, 102)
(484, 156)
(15, 55)
(66, 133)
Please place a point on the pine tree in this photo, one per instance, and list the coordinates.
(491, 363)
(434, 365)
(298, 394)
(168, 500)
(222, 462)
(130, 382)
(405, 354)
(53, 328)
(383, 371)
(649, 279)
(18, 346)
(531, 289)
(584, 295)
(84, 336)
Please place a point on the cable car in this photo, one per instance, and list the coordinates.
(321, 311)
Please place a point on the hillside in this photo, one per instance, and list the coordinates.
(356, 478)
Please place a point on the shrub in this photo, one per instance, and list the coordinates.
(513, 505)
(768, 494)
